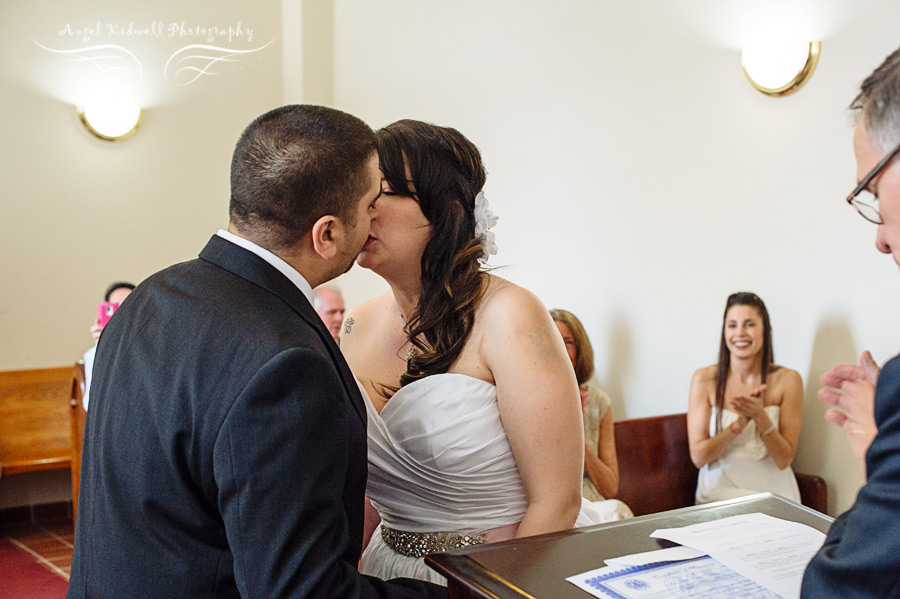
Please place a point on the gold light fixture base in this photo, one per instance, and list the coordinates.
(120, 133)
(799, 79)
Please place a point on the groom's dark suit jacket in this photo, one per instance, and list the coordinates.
(861, 555)
(225, 449)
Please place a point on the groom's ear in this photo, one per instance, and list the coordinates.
(327, 233)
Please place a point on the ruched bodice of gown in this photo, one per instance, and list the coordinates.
(439, 459)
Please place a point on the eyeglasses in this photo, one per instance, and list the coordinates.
(866, 202)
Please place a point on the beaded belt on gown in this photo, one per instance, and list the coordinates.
(420, 544)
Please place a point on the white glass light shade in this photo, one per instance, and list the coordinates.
(111, 121)
(779, 69)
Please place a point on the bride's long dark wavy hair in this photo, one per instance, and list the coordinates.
(446, 174)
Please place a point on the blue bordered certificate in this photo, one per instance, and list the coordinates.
(698, 578)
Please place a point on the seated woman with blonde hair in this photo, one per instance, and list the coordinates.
(745, 412)
(601, 467)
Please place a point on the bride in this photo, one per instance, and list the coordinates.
(475, 430)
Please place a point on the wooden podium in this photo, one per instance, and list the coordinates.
(537, 567)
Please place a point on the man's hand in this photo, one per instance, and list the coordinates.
(852, 389)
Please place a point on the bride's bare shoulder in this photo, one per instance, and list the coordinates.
(500, 294)
(504, 303)
(362, 321)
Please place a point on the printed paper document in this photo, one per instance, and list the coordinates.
(767, 550)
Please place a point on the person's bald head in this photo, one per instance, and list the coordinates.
(329, 304)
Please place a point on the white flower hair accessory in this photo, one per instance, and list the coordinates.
(484, 222)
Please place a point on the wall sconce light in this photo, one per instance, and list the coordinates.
(110, 121)
(780, 69)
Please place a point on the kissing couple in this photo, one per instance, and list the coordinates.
(225, 452)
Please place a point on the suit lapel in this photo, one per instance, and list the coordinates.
(247, 265)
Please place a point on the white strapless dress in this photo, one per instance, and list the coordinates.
(746, 466)
(439, 461)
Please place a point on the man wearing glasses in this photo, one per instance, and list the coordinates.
(861, 555)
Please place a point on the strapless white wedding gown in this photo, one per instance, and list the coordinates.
(439, 461)
(745, 467)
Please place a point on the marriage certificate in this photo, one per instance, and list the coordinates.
(769, 551)
(752, 556)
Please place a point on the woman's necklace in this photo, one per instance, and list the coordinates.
(411, 350)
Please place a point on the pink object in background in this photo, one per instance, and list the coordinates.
(105, 311)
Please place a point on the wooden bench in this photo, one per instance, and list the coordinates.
(77, 420)
(35, 432)
(656, 473)
(42, 421)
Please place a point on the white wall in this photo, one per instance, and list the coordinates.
(78, 213)
(640, 179)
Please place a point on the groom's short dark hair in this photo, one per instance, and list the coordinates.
(294, 165)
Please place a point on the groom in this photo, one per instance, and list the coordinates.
(225, 451)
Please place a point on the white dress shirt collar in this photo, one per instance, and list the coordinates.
(283, 267)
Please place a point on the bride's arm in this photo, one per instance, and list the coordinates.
(370, 522)
(539, 406)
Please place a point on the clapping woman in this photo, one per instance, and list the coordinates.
(745, 413)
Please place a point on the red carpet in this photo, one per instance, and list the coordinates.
(24, 577)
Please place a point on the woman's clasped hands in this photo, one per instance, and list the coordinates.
(751, 407)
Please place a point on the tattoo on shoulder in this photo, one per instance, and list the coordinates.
(348, 325)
